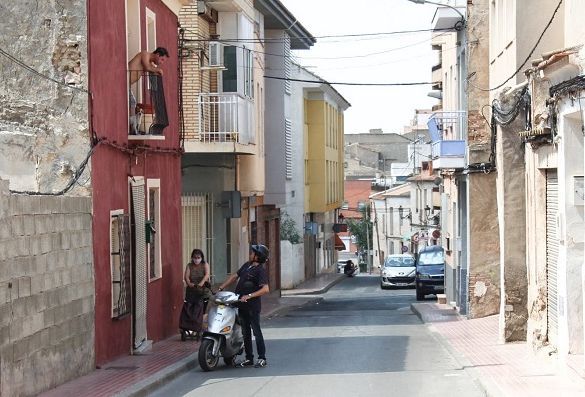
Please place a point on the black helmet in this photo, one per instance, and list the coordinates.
(261, 252)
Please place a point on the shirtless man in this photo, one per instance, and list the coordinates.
(146, 61)
(142, 62)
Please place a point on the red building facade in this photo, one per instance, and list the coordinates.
(136, 178)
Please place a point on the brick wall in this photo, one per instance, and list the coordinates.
(46, 291)
(195, 80)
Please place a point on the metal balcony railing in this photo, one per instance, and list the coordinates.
(447, 124)
(227, 117)
(448, 154)
(147, 106)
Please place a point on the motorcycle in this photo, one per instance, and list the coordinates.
(350, 270)
(223, 337)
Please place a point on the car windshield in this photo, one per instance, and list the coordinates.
(404, 261)
(431, 258)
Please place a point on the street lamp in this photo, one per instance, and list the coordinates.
(459, 25)
(401, 212)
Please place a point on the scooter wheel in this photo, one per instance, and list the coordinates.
(207, 361)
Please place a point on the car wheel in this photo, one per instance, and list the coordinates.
(382, 286)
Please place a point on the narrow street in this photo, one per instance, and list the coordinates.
(358, 340)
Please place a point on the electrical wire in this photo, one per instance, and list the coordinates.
(348, 83)
(134, 150)
(277, 40)
(527, 58)
(332, 58)
(32, 70)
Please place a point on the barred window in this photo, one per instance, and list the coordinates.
(120, 263)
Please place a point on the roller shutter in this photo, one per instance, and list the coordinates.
(552, 251)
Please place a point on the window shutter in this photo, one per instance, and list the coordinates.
(287, 64)
(288, 147)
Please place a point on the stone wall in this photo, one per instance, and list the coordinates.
(43, 118)
(46, 291)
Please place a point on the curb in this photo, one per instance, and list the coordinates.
(173, 371)
(489, 389)
(292, 292)
(162, 377)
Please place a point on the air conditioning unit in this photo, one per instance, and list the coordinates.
(215, 54)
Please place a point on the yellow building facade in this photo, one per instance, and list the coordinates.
(323, 140)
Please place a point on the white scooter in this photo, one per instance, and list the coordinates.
(223, 337)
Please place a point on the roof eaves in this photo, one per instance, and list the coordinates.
(301, 38)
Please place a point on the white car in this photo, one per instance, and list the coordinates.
(398, 271)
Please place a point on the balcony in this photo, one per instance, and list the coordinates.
(447, 18)
(147, 117)
(225, 125)
(447, 125)
(229, 5)
(448, 154)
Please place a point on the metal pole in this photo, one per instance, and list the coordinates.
(368, 246)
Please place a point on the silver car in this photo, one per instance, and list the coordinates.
(398, 271)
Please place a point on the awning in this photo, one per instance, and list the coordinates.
(339, 245)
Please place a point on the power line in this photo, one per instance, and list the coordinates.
(529, 55)
(30, 69)
(375, 34)
(348, 83)
(316, 58)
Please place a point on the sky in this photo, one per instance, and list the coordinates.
(402, 58)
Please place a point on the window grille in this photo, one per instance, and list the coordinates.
(120, 265)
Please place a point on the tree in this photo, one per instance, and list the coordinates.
(288, 229)
(361, 229)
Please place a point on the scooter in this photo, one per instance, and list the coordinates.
(350, 271)
(223, 337)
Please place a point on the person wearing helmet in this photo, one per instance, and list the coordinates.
(252, 284)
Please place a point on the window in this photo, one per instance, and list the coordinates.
(120, 263)
(248, 73)
(230, 74)
(150, 30)
(153, 230)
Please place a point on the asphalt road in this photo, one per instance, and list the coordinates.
(358, 340)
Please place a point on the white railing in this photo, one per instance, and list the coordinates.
(226, 118)
(449, 123)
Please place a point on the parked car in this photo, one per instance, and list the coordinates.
(430, 271)
(398, 271)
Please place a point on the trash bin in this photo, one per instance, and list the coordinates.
(363, 267)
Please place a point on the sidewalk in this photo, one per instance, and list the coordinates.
(510, 369)
(138, 375)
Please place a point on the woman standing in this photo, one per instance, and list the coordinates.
(197, 293)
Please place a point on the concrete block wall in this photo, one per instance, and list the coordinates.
(46, 291)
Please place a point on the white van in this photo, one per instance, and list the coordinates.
(398, 271)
